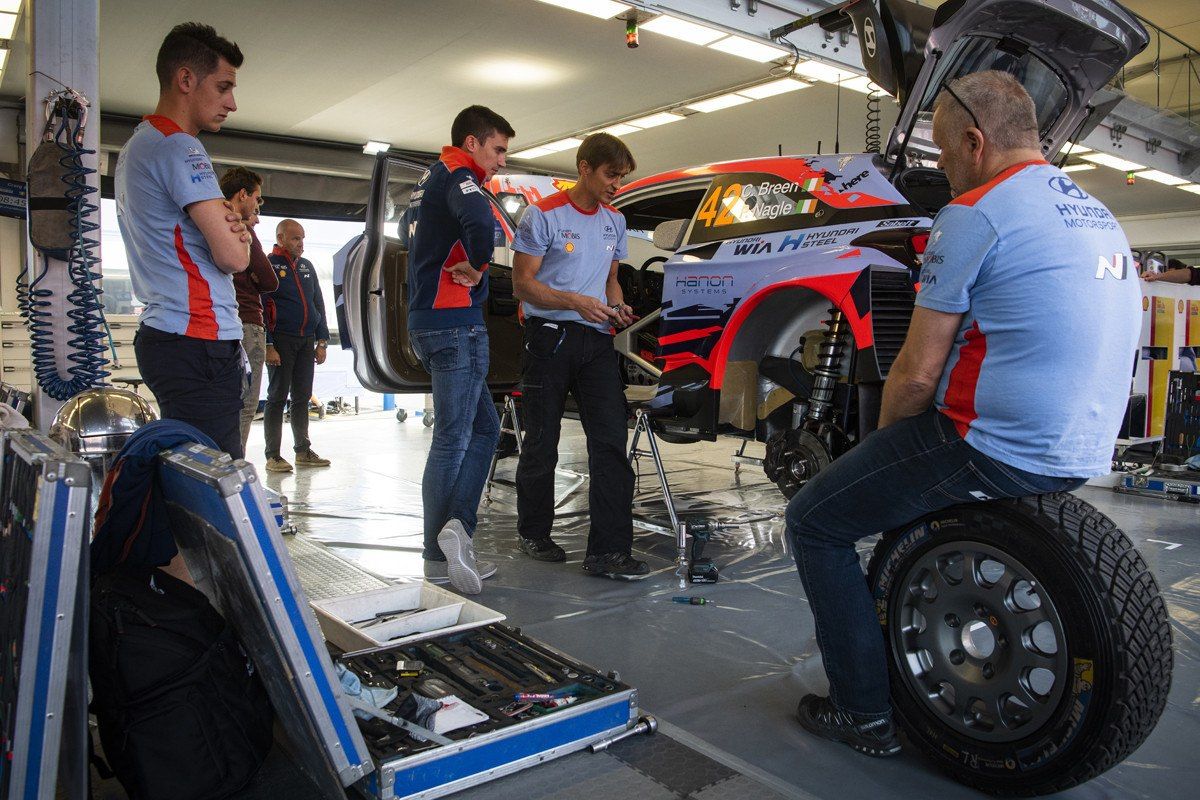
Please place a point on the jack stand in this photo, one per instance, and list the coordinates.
(740, 457)
(643, 425)
(509, 423)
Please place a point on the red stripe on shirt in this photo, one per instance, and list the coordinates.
(202, 322)
(975, 195)
(964, 380)
(449, 293)
(164, 125)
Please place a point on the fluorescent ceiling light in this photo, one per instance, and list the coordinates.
(773, 88)
(374, 148)
(10, 6)
(654, 120)
(1076, 149)
(819, 71)
(718, 103)
(1078, 167)
(1105, 160)
(1194, 188)
(1161, 177)
(604, 9)
(533, 152)
(748, 48)
(620, 129)
(562, 144)
(8, 24)
(3, 59)
(860, 83)
(682, 29)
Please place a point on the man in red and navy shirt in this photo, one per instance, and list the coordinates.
(181, 245)
(451, 238)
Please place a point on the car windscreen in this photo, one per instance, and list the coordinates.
(977, 54)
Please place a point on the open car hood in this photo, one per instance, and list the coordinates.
(1062, 51)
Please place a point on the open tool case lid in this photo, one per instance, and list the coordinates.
(231, 543)
(43, 606)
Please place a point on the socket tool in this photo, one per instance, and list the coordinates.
(647, 725)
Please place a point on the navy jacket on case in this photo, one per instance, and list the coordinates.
(296, 307)
(450, 220)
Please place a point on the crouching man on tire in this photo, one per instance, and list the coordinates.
(1012, 381)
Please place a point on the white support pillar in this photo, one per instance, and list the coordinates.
(63, 38)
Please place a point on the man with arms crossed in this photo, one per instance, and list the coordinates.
(451, 239)
(182, 249)
(567, 250)
(1014, 299)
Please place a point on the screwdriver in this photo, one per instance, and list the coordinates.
(693, 601)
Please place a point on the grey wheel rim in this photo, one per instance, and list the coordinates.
(979, 642)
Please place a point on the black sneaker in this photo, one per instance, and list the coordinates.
(618, 566)
(872, 736)
(542, 549)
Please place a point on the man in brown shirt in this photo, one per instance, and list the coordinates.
(243, 189)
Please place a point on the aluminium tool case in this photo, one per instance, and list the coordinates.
(233, 549)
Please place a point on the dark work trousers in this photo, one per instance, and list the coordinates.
(294, 376)
(562, 357)
(197, 381)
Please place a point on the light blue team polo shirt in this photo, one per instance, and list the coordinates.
(1039, 375)
(577, 248)
(160, 172)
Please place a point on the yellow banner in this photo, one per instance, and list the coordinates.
(1162, 334)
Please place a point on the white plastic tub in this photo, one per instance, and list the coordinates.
(442, 612)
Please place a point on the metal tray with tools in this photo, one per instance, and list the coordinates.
(540, 704)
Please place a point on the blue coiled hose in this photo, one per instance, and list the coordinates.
(88, 326)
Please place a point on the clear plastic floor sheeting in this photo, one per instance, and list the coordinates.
(726, 675)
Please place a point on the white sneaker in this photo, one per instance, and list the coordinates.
(436, 573)
(460, 558)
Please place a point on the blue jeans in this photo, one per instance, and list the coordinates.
(896, 475)
(465, 430)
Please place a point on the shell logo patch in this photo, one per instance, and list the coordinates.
(569, 247)
(283, 273)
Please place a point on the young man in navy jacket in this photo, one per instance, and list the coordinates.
(451, 238)
(296, 339)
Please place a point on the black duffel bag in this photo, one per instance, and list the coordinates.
(181, 711)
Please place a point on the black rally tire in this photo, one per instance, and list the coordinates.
(1114, 621)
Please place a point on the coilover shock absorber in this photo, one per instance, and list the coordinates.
(828, 370)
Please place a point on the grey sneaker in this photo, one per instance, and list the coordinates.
(277, 464)
(435, 571)
(460, 558)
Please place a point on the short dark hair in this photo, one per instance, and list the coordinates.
(1175, 263)
(604, 148)
(237, 178)
(196, 46)
(480, 122)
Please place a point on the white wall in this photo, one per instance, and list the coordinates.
(11, 246)
(1178, 231)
